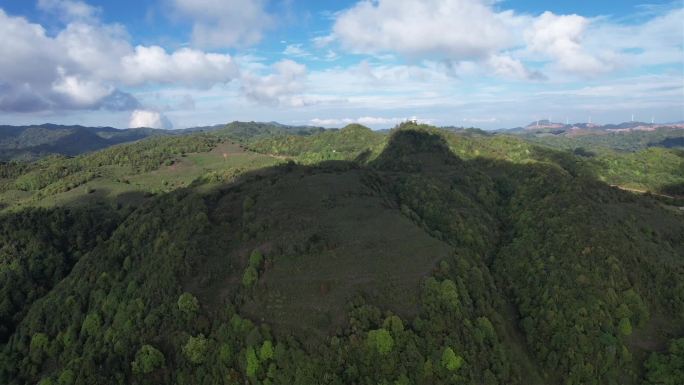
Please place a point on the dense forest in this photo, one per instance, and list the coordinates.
(419, 256)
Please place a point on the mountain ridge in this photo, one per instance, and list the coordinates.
(36, 141)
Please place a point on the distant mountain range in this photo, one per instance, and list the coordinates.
(576, 129)
(31, 142)
(36, 141)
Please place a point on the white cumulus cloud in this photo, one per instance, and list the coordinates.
(225, 23)
(295, 50)
(70, 10)
(85, 63)
(508, 67)
(147, 118)
(455, 29)
(560, 38)
(185, 66)
(81, 92)
(282, 87)
(503, 41)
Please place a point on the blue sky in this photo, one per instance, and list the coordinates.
(483, 63)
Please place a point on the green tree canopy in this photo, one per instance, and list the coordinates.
(666, 368)
(196, 349)
(252, 362)
(91, 324)
(39, 345)
(393, 323)
(255, 259)
(250, 277)
(266, 351)
(188, 303)
(147, 359)
(450, 360)
(625, 326)
(380, 340)
(449, 293)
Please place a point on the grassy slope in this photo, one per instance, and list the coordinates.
(131, 171)
(123, 184)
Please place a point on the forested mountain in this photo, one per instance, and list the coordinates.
(34, 142)
(246, 254)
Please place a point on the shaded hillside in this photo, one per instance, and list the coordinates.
(413, 265)
(654, 169)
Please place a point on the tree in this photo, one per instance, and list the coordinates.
(66, 377)
(450, 360)
(255, 259)
(39, 345)
(449, 293)
(147, 359)
(625, 326)
(486, 328)
(225, 353)
(380, 340)
(428, 369)
(394, 324)
(196, 348)
(266, 351)
(252, 362)
(91, 324)
(250, 277)
(402, 380)
(188, 304)
(248, 203)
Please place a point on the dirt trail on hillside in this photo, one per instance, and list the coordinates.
(630, 189)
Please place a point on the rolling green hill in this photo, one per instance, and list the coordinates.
(341, 257)
(27, 143)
